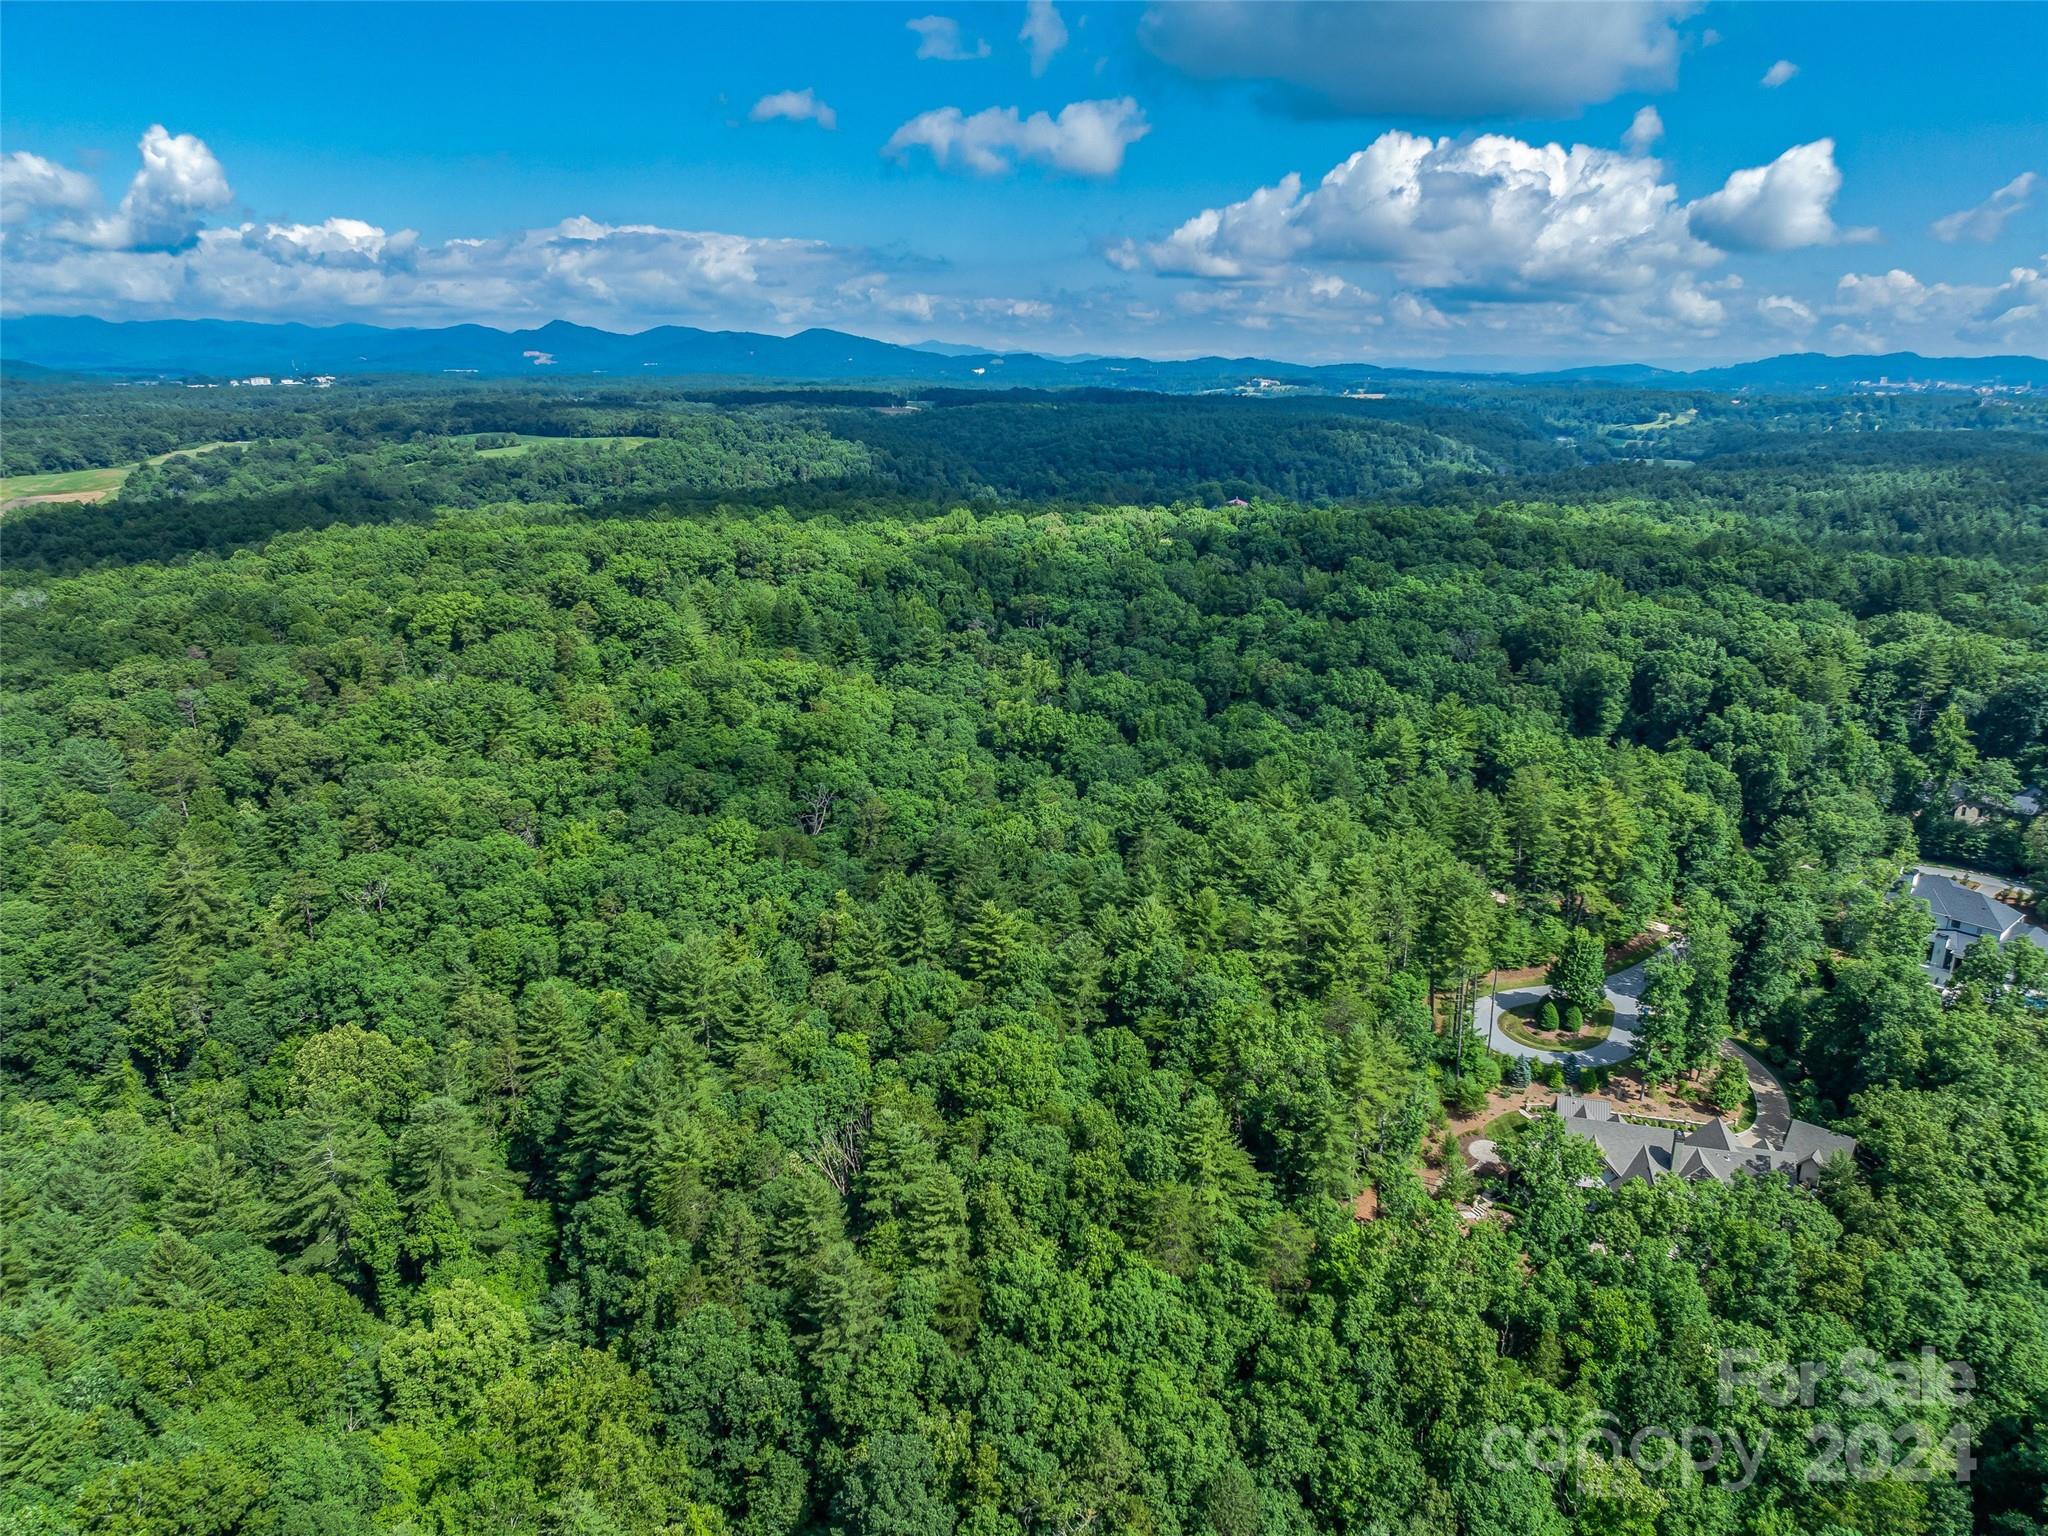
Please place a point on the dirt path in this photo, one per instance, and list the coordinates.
(52, 496)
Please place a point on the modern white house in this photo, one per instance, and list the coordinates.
(1963, 915)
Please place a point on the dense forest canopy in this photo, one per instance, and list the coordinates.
(645, 961)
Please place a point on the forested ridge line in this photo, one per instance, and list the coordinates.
(1890, 476)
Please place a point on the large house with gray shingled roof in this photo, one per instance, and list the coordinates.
(1963, 915)
(1709, 1151)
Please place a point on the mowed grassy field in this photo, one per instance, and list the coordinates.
(67, 482)
(84, 484)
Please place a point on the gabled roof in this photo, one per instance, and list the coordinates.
(1805, 1142)
(1708, 1151)
(1624, 1146)
(1714, 1134)
(1706, 1163)
(1958, 906)
(1645, 1164)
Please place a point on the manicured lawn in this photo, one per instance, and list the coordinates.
(1521, 1028)
(1505, 1127)
(1745, 1117)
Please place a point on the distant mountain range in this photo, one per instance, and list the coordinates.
(240, 348)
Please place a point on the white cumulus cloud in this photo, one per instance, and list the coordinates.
(1242, 239)
(31, 185)
(1778, 74)
(166, 203)
(795, 107)
(2012, 314)
(1785, 312)
(1777, 207)
(1644, 131)
(938, 37)
(1689, 305)
(1984, 222)
(1897, 291)
(1044, 31)
(331, 242)
(1494, 217)
(1087, 138)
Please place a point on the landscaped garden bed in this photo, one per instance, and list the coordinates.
(1523, 1029)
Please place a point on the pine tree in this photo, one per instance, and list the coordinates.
(1579, 975)
(332, 1164)
(935, 1218)
(688, 985)
(915, 928)
(551, 1036)
(1662, 1024)
(804, 1215)
(1710, 954)
(209, 1195)
(193, 903)
(1336, 934)
(177, 1276)
(748, 1010)
(858, 949)
(896, 1153)
(674, 1189)
(843, 1306)
(650, 1098)
(442, 1160)
(590, 1094)
(991, 943)
(1457, 930)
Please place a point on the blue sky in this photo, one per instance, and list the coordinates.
(1482, 183)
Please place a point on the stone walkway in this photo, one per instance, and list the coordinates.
(1624, 996)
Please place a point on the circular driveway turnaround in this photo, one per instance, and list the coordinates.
(1624, 996)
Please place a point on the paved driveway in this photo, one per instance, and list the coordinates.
(1624, 996)
(1978, 877)
(1773, 1109)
